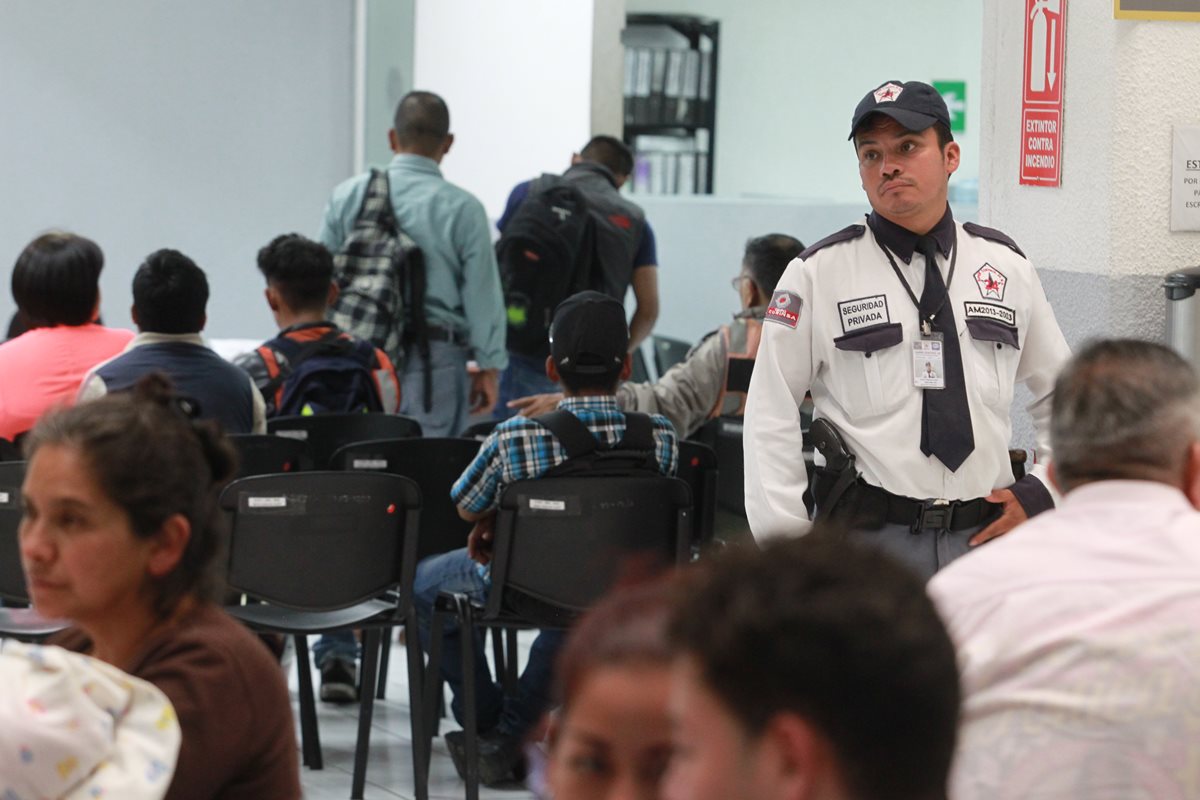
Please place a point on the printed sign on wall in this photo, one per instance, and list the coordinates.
(1042, 92)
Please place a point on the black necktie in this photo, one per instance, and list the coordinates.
(945, 416)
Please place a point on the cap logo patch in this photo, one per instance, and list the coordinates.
(991, 282)
(784, 308)
(888, 93)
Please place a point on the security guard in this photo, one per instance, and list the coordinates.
(856, 318)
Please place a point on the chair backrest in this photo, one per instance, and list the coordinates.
(564, 542)
(12, 577)
(9, 451)
(698, 468)
(480, 430)
(668, 352)
(322, 540)
(434, 465)
(325, 433)
(724, 436)
(265, 454)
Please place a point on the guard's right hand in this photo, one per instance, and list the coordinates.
(536, 404)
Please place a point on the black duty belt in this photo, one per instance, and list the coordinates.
(864, 501)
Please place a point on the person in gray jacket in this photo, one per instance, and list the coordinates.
(712, 380)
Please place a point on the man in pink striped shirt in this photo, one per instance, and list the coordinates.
(1078, 634)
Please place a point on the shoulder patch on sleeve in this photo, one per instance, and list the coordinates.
(993, 235)
(784, 309)
(844, 235)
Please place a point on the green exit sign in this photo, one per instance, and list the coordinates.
(955, 95)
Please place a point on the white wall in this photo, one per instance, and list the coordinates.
(791, 71)
(517, 77)
(208, 127)
(1102, 240)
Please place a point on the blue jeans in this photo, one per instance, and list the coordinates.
(341, 646)
(511, 716)
(525, 376)
(448, 413)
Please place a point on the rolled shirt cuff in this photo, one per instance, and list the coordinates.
(1033, 495)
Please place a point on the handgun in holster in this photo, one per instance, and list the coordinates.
(838, 460)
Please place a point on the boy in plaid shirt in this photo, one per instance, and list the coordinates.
(589, 343)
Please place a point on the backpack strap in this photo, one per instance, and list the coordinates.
(639, 432)
(575, 437)
(376, 208)
(305, 352)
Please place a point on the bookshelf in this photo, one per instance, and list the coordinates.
(670, 101)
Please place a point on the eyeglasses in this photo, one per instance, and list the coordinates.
(736, 283)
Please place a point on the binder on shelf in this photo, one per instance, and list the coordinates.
(658, 85)
(630, 85)
(641, 89)
(673, 89)
(686, 179)
(689, 101)
(705, 106)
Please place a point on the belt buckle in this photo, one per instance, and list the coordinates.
(935, 514)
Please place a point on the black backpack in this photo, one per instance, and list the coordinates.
(546, 254)
(633, 456)
(380, 275)
(333, 374)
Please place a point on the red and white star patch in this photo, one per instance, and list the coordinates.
(888, 93)
(784, 308)
(991, 282)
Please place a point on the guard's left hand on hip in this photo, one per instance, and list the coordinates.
(1012, 516)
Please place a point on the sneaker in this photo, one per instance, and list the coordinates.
(339, 681)
(501, 758)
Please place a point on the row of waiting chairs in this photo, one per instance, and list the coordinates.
(331, 551)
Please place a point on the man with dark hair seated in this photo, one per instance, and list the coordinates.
(624, 247)
(170, 295)
(343, 374)
(813, 668)
(589, 353)
(713, 379)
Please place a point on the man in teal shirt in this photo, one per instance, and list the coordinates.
(463, 302)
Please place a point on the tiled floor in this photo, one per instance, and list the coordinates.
(389, 769)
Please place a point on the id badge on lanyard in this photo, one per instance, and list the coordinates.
(927, 360)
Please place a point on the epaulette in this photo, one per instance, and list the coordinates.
(844, 235)
(993, 235)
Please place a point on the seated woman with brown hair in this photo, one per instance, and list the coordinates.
(121, 536)
(611, 737)
(56, 283)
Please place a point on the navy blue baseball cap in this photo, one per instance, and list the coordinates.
(914, 105)
(589, 335)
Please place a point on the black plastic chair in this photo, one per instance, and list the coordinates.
(434, 464)
(266, 454)
(325, 433)
(560, 545)
(698, 465)
(17, 621)
(640, 373)
(328, 551)
(480, 430)
(668, 352)
(9, 451)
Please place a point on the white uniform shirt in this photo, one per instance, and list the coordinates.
(852, 347)
(1078, 636)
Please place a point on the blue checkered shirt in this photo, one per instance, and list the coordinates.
(520, 448)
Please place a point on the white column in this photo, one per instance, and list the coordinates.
(518, 78)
